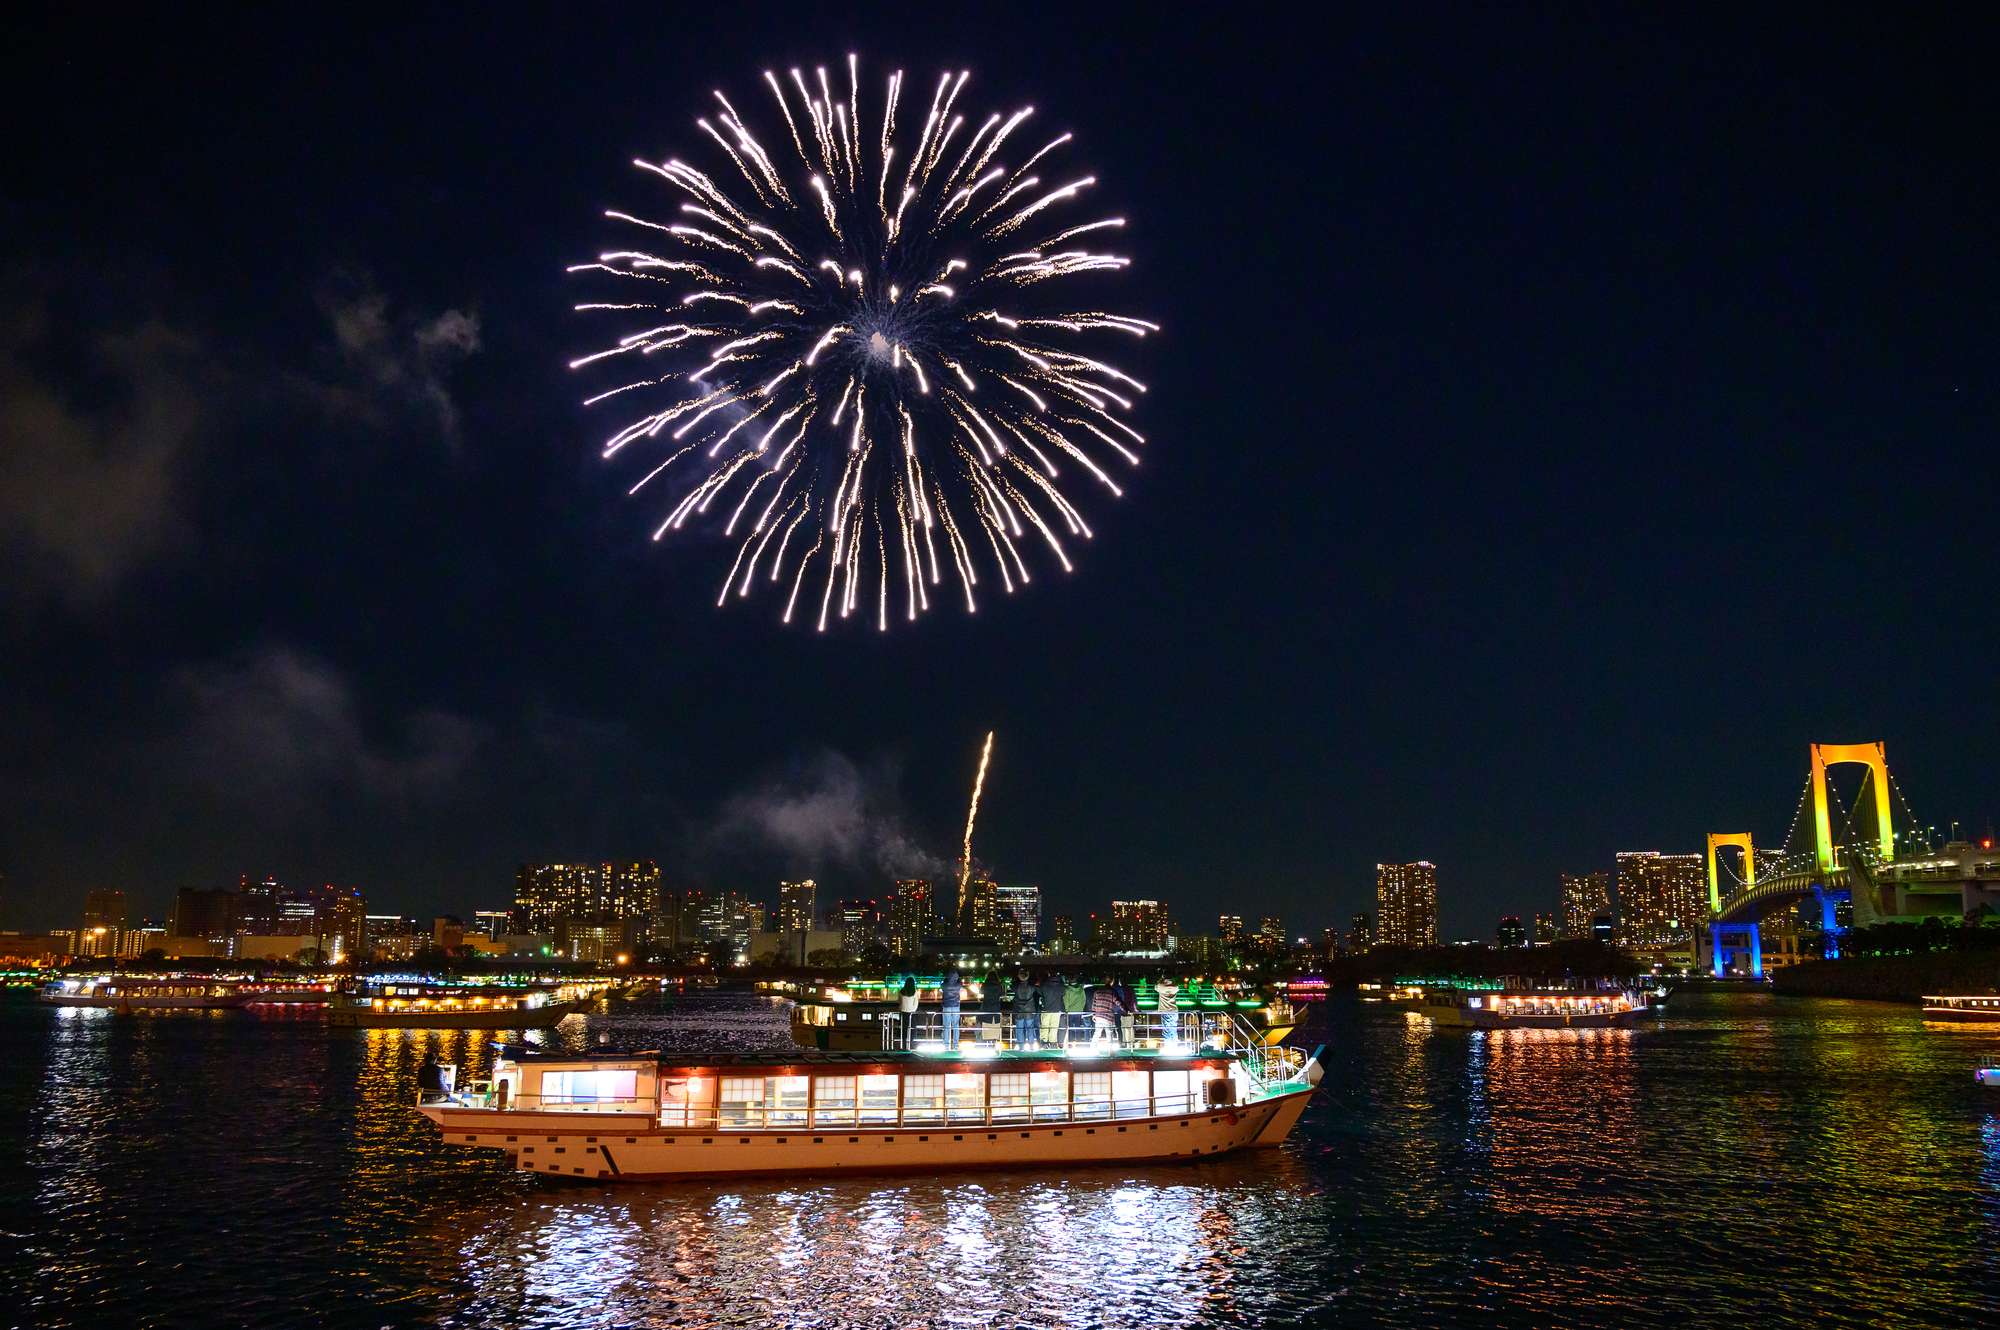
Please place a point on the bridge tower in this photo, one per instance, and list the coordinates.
(1718, 950)
(1721, 838)
(1833, 755)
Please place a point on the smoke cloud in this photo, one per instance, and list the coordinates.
(829, 813)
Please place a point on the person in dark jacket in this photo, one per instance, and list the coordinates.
(1024, 1012)
(950, 993)
(1052, 992)
(1128, 1014)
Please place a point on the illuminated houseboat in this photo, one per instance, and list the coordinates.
(1963, 1008)
(147, 993)
(1534, 1008)
(410, 1004)
(797, 1111)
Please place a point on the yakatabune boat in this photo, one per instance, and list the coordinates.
(144, 993)
(410, 1004)
(1962, 1008)
(802, 1110)
(1534, 1008)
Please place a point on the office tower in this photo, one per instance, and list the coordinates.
(343, 929)
(1271, 937)
(1510, 933)
(1360, 932)
(1603, 928)
(1022, 906)
(1329, 940)
(1406, 904)
(1545, 929)
(860, 925)
(979, 915)
(203, 915)
(912, 916)
(1584, 897)
(257, 907)
(797, 907)
(1684, 883)
(1231, 928)
(1137, 926)
(1062, 935)
(105, 910)
(491, 923)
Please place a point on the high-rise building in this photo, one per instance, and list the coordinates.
(1231, 928)
(1329, 940)
(1406, 898)
(1584, 897)
(1022, 906)
(106, 910)
(912, 916)
(1271, 937)
(860, 924)
(979, 908)
(1509, 932)
(491, 923)
(395, 937)
(1661, 897)
(592, 893)
(1545, 929)
(207, 915)
(1137, 926)
(1360, 932)
(798, 911)
(257, 907)
(1062, 934)
(343, 930)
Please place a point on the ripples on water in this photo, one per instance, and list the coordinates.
(1749, 1159)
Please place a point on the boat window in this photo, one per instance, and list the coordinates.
(589, 1087)
(1009, 1094)
(1048, 1091)
(1170, 1092)
(1129, 1093)
(785, 1100)
(742, 1101)
(833, 1099)
(965, 1095)
(1093, 1094)
(878, 1098)
(923, 1098)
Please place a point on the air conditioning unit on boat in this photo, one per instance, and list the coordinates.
(1221, 1092)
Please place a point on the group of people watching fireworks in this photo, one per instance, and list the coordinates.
(1049, 1011)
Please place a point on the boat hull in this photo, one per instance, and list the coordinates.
(613, 1147)
(1489, 1020)
(136, 1003)
(1964, 1015)
(511, 1018)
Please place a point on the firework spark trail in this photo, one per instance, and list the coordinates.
(978, 784)
(899, 284)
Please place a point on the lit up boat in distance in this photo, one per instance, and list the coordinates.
(1533, 1008)
(1963, 1008)
(801, 1110)
(430, 1005)
(145, 993)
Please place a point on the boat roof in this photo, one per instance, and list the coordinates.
(801, 1056)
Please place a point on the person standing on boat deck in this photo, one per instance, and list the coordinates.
(949, 993)
(1053, 993)
(1170, 1015)
(1024, 1012)
(1073, 1005)
(906, 1002)
(1128, 1014)
(1103, 1010)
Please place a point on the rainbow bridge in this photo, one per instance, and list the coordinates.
(1863, 871)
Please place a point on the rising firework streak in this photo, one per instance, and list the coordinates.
(856, 358)
(978, 784)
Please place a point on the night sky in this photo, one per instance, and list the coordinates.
(1562, 418)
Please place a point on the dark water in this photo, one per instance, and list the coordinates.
(1748, 1160)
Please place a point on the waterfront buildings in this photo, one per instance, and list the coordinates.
(594, 893)
(1406, 904)
(979, 908)
(1231, 928)
(1135, 926)
(912, 916)
(859, 924)
(1509, 932)
(207, 916)
(1360, 932)
(1584, 897)
(1545, 929)
(1062, 934)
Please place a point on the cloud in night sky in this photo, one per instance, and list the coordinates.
(89, 478)
(829, 813)
(281, 725)
(393, 366)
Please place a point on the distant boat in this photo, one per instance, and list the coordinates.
(460, 1006)
(130, 994)
(1534, 1008)
(1963, 1008)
